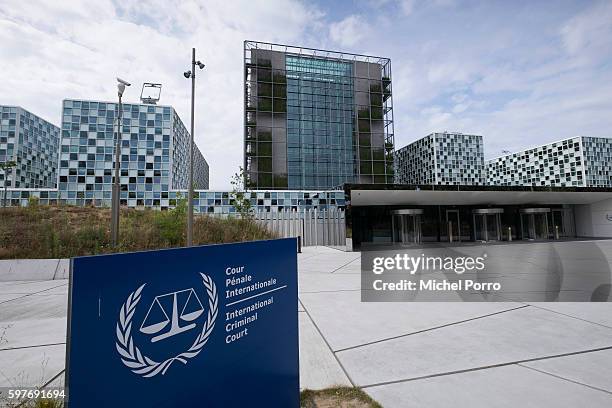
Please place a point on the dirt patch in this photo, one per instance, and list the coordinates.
(339, 397)
(337, 402)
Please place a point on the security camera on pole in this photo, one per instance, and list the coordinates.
(191, 74)
(121, 84)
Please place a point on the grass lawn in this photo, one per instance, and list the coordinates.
(66, 231)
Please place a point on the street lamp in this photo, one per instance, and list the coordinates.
(7, 168)
(121, 84)
(191, 74)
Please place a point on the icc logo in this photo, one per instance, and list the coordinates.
(191, 310)
(169, 314)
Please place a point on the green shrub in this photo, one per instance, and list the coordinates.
(173, 223)
(66, 231)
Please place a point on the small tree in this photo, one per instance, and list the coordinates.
(171, 224)
(6, 168)
(240, 199)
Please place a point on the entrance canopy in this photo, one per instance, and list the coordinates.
(372, 195)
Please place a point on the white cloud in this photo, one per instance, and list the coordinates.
(589, 32)
(541, 76)
(476, 72)
(407, 6)
(350, 31)
(75, 49)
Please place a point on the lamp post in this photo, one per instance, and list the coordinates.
(121, 84)
(7, 168)
(191, 74)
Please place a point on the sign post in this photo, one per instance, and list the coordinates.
(210, 326)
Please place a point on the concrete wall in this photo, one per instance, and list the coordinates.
(594, 220)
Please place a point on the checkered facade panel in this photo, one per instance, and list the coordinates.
(443, 159)
(459, 159)
(598, 159)
(32, 143)
(153, 158)
(415, 163)
(180, 158)
(210, 202)
(559, 164)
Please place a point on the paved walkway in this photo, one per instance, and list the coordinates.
(403, 354)
(32, 331)
(451, 354)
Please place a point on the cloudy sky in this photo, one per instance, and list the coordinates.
(519, 73)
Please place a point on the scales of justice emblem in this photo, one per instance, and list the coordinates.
(192, 309)
(168, 315)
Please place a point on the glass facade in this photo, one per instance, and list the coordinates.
(458, 159)
(154, 158)
(377, 226)
(443, 159)
(154, 153)
(598, 161)
(316, 119)
(579, 161)
(415, 163)
(555, 164)
(210, 202)
(32, 143)
(320, 123)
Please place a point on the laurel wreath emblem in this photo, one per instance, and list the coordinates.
(143, 365)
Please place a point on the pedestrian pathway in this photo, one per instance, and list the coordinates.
(403, 354)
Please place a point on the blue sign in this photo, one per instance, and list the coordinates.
(209, 326)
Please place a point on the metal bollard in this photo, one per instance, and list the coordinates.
(299, 244)
(509, 233)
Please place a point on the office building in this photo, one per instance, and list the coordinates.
(316, 119)
(154, 154)
(409, 215)
(442, 159)
(575, 162)
(32, 143)
(206, 202)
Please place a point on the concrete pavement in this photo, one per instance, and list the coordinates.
(32, 331)
(403, 354)
(458, 354)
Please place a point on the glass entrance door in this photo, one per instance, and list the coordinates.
(561, 223)
(480, 229)
(493, 227)
(541, 226)
(452, 225)
(487, 224)
(406, 226)
(534, 224)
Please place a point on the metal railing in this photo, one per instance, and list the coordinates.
(315, 227)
